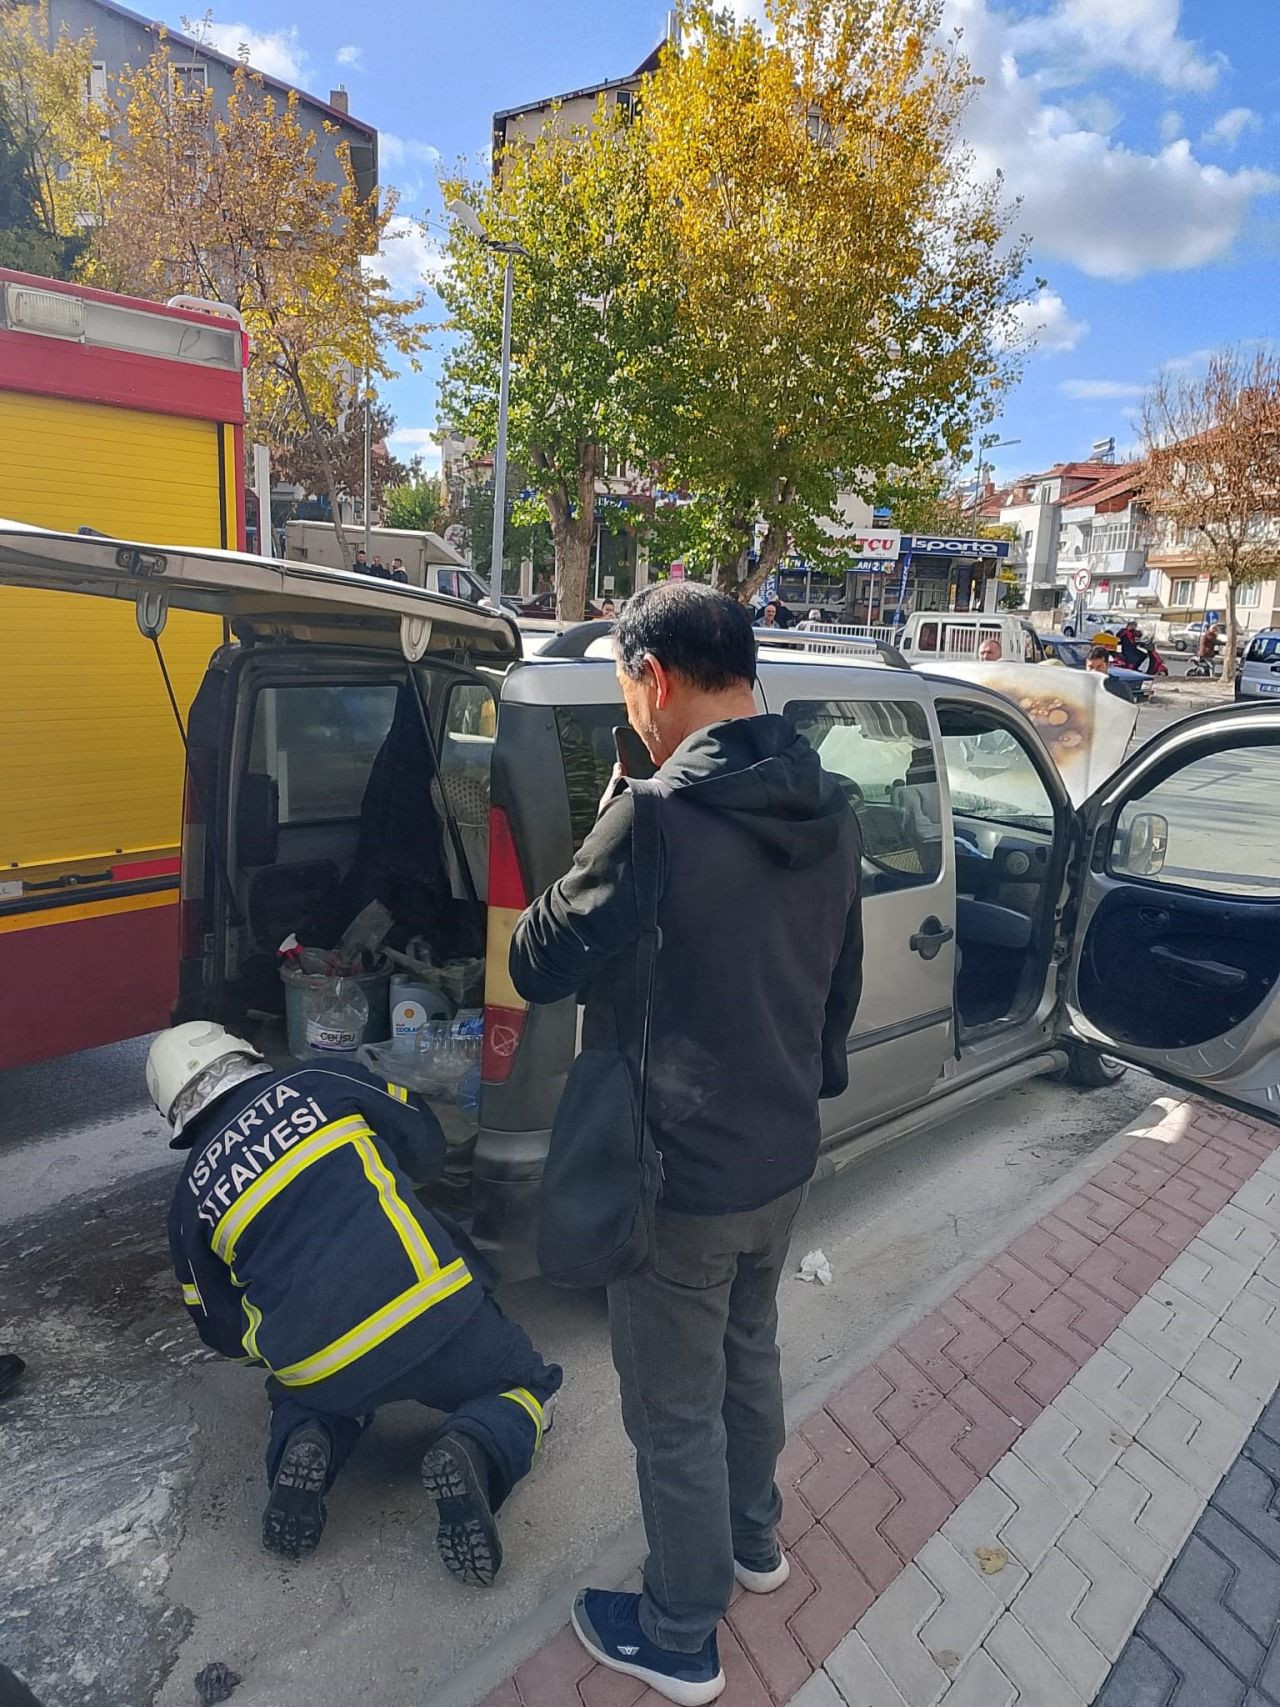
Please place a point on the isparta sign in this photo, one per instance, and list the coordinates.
(955, 547)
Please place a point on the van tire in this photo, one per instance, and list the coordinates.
(1089, 1070)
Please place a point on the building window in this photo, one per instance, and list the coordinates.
(97, 85)
(627, 103)
(1182, 595)
(189, 79)
(1248, 598)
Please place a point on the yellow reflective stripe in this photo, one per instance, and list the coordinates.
(191, 1295)
(279, 1174)
(375, 1329)
(398, 1092)
(524, 1398)
(250, 1338)
(417, 1247)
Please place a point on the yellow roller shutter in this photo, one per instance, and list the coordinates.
(90, 761)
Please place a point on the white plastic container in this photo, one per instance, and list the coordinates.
(413, 1003)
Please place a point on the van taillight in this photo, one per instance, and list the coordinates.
(504, 1013)
(191, 892)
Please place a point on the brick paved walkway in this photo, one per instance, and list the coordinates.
(980, 1516)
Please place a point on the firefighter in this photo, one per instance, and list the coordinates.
(300, 1247)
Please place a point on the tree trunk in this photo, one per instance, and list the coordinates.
(1233, 629)
(328, 468)
(740, 578)
(573, 529)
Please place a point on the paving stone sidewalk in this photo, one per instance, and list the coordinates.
(982, 1515)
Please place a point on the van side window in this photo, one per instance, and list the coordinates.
(1032, 651)
(588, 753)
(881, 754)
(927, 638)
(319, 742)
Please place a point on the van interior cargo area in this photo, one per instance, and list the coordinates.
(352, 793)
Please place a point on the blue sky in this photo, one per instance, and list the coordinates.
(1143, 137)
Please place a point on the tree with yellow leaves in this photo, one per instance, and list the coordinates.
(845, 285)
(51, 142)
(224, 201)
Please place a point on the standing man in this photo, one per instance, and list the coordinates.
(991, 651)
(749, 1029)
(300, 1246)
(398, 570)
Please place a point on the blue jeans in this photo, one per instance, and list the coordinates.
(695, 1344)
(468, 1378)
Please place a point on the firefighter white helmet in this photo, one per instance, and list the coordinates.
(181, 1055)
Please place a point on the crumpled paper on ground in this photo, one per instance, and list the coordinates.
(815, 1267)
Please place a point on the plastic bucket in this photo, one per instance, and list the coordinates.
(296, 986)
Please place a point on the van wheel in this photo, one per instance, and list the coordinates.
(1088, 1069)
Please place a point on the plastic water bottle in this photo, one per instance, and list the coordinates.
(337, 1018)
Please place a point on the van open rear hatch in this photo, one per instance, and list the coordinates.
(339, 757)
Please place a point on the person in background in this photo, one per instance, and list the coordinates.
(750, 1028)
(379, 568)
(300, 1245)
(361, 564)
(398, 570)
(815, 618)
(1208, 647)
(768, 617)
(1099, 662)
(1132, 654)
(608, 609)
(991, 651)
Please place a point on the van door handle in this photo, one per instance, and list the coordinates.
(930, 938)
(1190, 969)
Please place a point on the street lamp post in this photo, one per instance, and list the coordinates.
(470, 220)
(989, 441)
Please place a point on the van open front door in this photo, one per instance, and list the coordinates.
(1175, 962)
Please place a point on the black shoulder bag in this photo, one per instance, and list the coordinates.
(602, 1173)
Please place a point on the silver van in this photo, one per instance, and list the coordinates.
(354, 741)
(1258, 675)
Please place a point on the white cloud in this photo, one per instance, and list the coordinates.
(1226, 131)
(408, 258)
(1046, 321)
(1138, 36)
(1111, 210)
(401, 151)
(1096, 112)
(350, 55)
(1171, 127)
(407, 442)
(276, 53)
(1099, 390)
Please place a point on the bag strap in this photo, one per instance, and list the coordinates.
(646, 866)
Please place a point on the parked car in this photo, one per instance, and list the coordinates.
(1021, 918)
(543, 605)
(1185, 636)
(1065, 649)
(927, 635)
(1258, 674)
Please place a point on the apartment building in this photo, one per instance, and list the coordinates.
(124, 38)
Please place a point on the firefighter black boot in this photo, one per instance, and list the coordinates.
(295, 1514)
(455, 1472)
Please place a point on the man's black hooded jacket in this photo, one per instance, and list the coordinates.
(760, 969)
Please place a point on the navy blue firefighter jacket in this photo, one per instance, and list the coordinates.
(297, 1238)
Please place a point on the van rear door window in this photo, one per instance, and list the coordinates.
(319, 742)
(588, 753)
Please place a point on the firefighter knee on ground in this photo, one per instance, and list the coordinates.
(301, 1247)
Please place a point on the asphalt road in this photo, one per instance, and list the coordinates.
(130, 1461)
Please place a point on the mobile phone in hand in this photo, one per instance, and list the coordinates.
(633, 755)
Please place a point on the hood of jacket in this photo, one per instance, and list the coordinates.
(765, 777)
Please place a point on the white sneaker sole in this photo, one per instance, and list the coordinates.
(683, 1694)
(762, 1582)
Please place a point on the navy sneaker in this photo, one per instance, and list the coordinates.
(295, 1515)
(608, 1626)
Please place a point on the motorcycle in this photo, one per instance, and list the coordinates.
(1155, 664)
(1202, 669)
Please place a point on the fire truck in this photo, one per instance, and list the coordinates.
(122, 418)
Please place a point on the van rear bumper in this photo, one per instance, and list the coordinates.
(505, 1182)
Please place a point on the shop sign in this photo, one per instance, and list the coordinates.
(937, 547)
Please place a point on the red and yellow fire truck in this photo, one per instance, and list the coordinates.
(125, 418)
